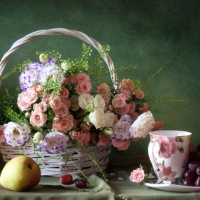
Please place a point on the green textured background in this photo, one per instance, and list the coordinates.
(145, 34)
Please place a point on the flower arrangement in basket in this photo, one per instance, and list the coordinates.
(65, 119)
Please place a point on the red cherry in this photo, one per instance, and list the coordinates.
(66, 179)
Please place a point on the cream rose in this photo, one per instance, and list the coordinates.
(84, 100)
(110, 118)
(99, 101)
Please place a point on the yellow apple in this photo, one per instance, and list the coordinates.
(20, 173)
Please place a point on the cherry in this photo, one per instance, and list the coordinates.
(66, 179)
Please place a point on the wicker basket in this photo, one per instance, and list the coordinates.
(56, 164)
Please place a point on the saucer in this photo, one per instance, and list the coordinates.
(173, 187)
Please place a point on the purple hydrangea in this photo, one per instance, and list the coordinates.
(54, 142)
(16, 134)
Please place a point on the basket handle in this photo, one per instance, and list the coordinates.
(59, 31)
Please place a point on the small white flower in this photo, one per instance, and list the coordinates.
(43, 58)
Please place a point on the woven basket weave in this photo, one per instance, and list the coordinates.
(57, 164)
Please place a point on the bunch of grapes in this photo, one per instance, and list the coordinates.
(191, 176)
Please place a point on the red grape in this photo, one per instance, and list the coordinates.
(81, 183)
(193, 165)
(190, 174)
(197, 182)
(66, 179)
(189, 182)
(198, 171)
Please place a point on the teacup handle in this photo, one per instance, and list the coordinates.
(151, 147)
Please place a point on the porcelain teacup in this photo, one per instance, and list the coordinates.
(168, 152)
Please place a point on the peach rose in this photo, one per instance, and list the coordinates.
(121, 145)
(103, 89)
(83, 87)
(158, 125)
(125, 92)
(64, 125)
(144, 108)
(64, 93)
(42, 106)
(127, 84)
(38, 88)
(38, 118)
(139, 94)
(84, 138)
(123, 110)
(103, 139)
(82, 77)
(73, 80)
(55, 102)
(119, 100)
(62, 111)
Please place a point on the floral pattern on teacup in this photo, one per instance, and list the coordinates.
(166, 173)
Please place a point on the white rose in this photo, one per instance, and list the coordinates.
(110, 118)
(99, 101)
(97, 118)
(84, 100)
(142, 125)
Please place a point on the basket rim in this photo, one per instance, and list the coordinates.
(59, 31)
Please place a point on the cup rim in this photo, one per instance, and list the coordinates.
(170, 133)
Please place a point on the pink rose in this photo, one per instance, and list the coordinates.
(64, 125)
(83, 87)
(125, 92)
(158, 125)
(84, 138)
(42, 106)
(103, 139)
(46, 98)
(119, 100)
(38, 88)
(139, 94)
(23, 105)
(30, 96)
(73, 80)
(82, 77)
(64, 93)
(55, 102)
(137, 175)
(38, 118)
(103, 89)
(62, 111)
(121, 145)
